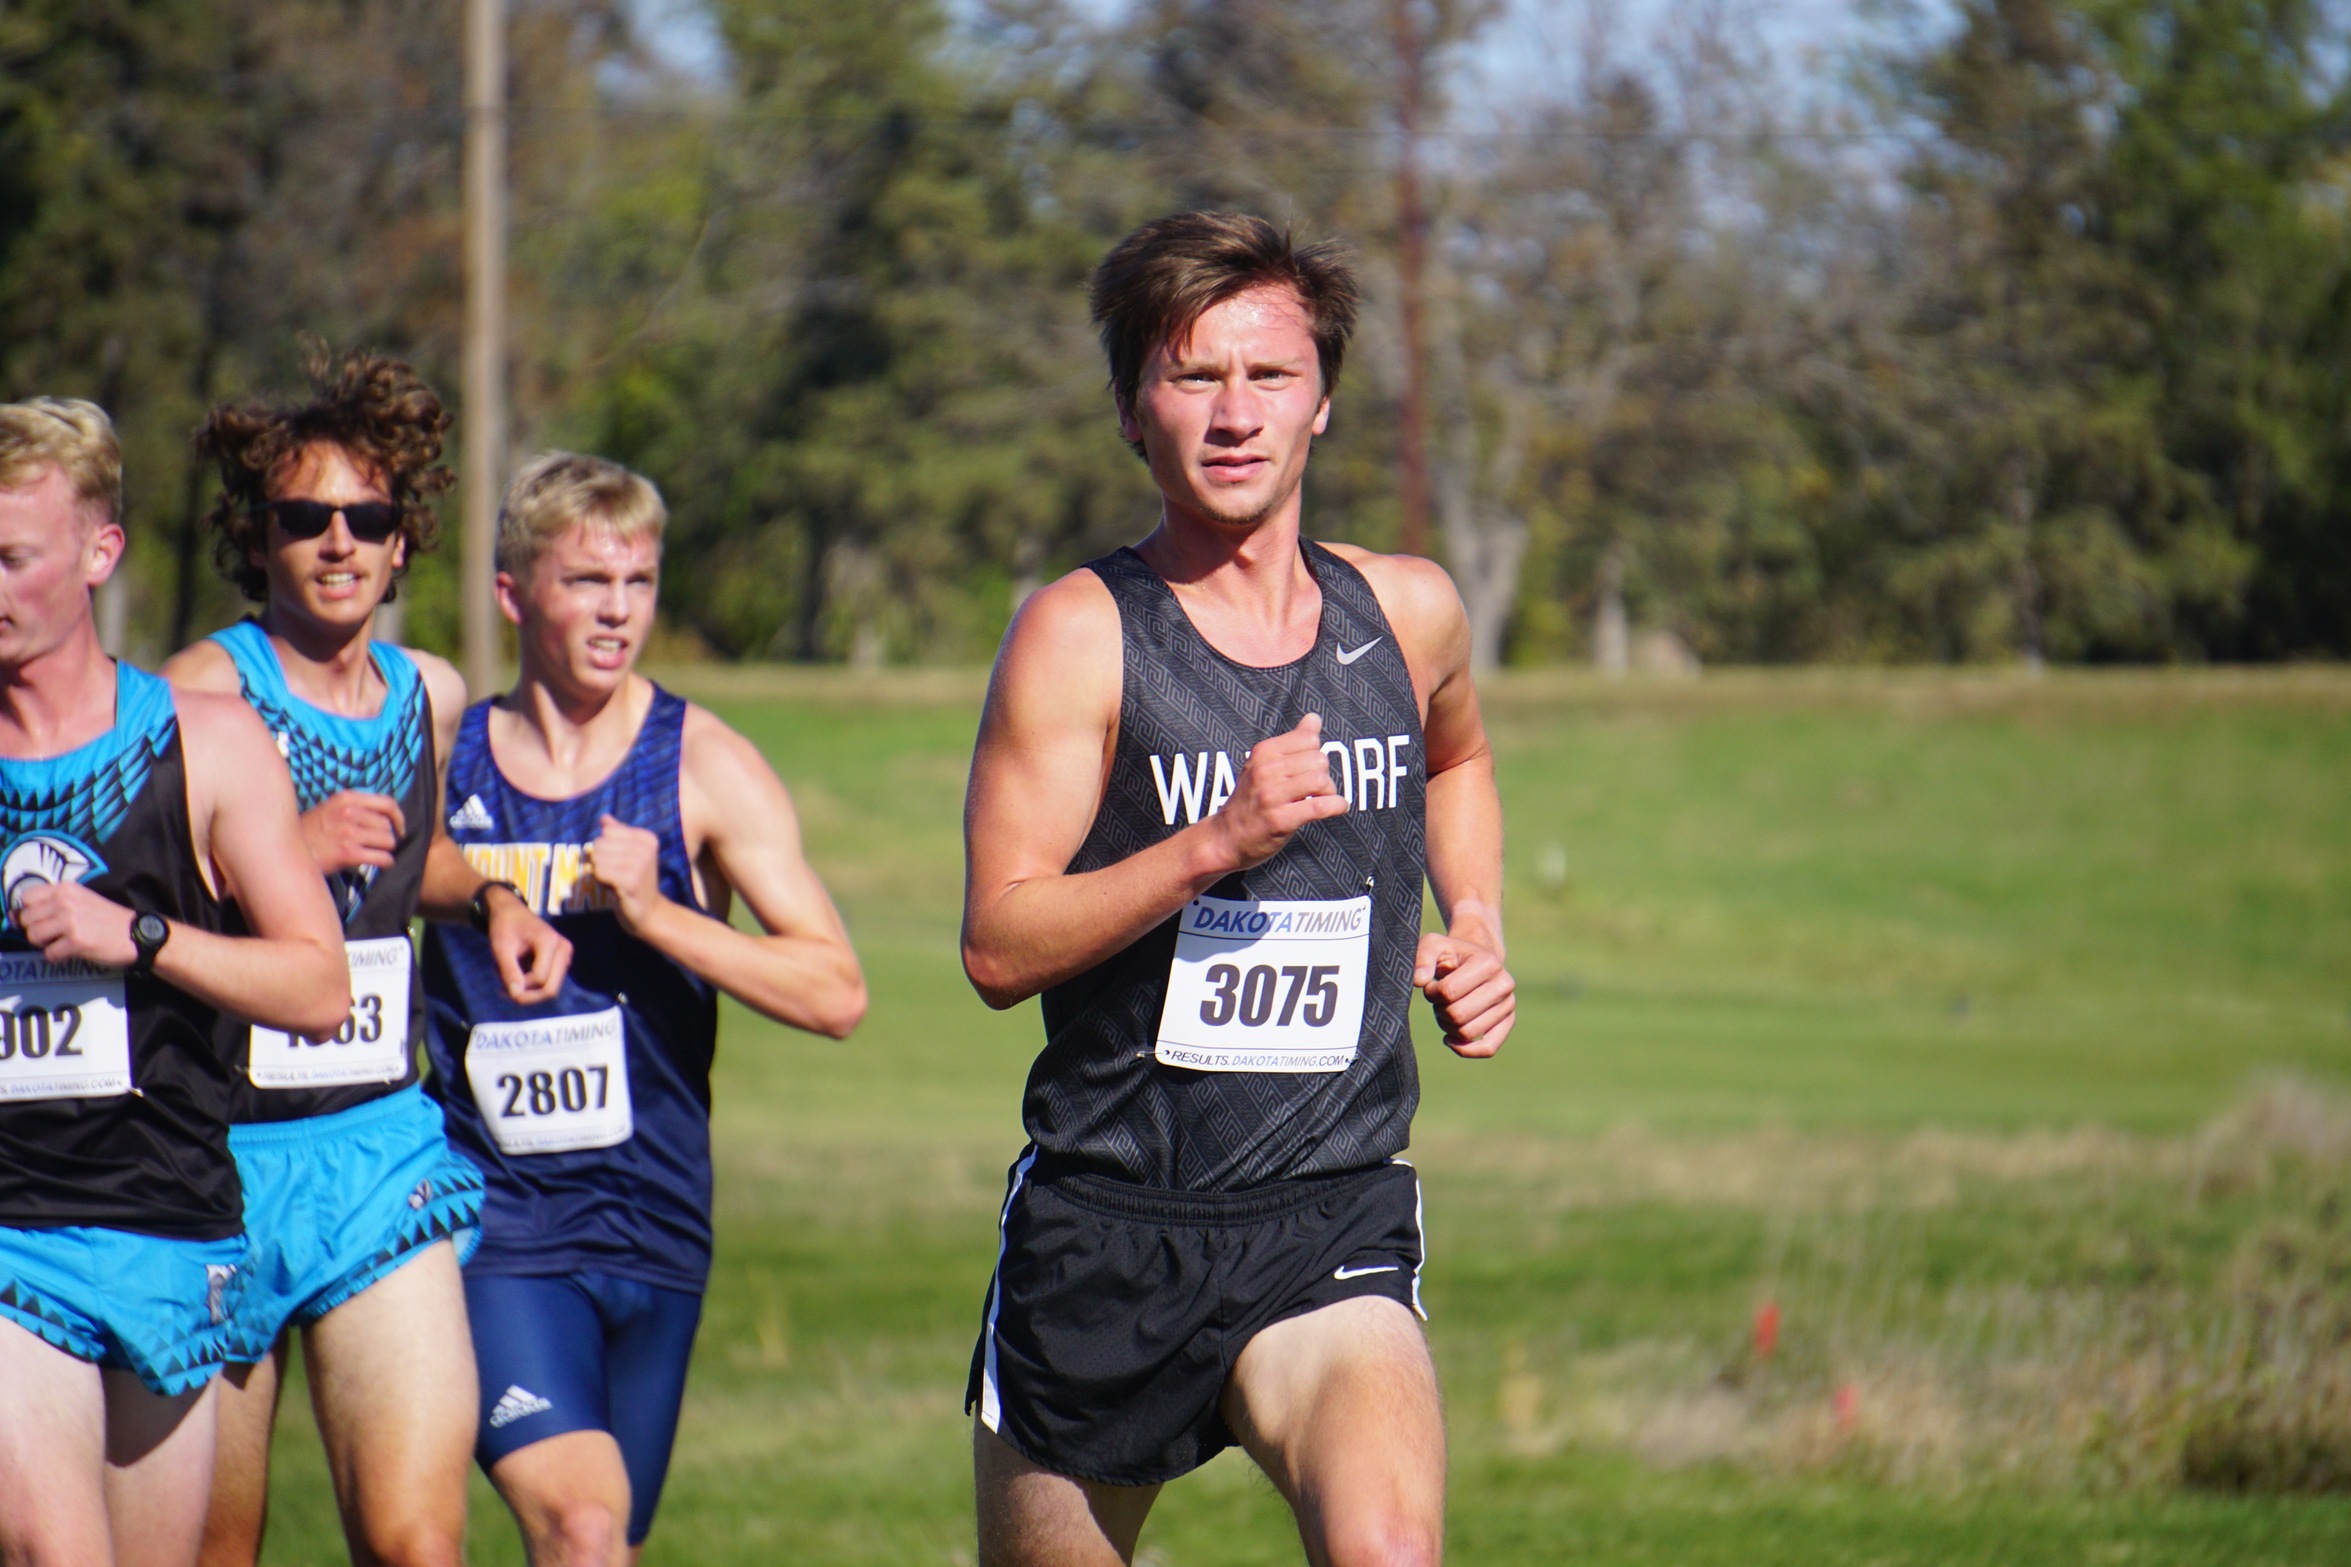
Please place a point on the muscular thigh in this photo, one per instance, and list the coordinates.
(1032, 1517)
(392, 1376)
(52, 1444)
(1340, 1408)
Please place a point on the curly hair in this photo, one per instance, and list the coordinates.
(378, 410)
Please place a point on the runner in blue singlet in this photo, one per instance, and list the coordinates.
(631, 819)
(355, 1207)
(125, 810)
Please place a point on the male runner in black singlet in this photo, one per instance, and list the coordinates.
(128, 814)
(356, 1210)
(1196, 825)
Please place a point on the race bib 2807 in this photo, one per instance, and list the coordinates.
(552, 1085)
(1270, 986)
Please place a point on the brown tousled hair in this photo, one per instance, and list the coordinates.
(1158, 281)
(377, 409)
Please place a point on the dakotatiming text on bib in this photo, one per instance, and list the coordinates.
(1266, 987)
(552, 1085)
(372, 1044)
(63, 1031)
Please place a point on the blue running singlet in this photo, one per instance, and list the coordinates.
(278, 1078)
(589, 1113)
(113, 1098)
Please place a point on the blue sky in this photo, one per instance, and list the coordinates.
(1524, 42)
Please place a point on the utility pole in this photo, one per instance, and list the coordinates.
(485, 330)
(1412, 442)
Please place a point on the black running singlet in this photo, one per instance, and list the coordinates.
(1223, 1050)
(279, 1077)
(92, 1132)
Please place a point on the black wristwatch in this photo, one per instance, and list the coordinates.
(148, 934)
(478, 910)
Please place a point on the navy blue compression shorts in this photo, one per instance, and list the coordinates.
(584, 1352)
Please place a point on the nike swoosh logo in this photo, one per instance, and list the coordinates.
(1347, 657)
(1357, 1273)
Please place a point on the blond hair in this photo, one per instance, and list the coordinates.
(559, 491)
(67, 434)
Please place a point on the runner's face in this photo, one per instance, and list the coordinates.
(1226, 417)
(334, 580)
(586, 606)
(53, 550)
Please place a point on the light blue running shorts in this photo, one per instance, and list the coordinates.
(140, 1303)
(334, 1203)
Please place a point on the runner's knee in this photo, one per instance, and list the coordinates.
(1382, 1538)
(409, 1542)
(580, 1534)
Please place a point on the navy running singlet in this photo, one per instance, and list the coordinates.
(1264, 1031)
(281, 1077)
(113, 1098)
(589, 1114)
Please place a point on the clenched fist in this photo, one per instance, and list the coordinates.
(628, 860)
(1285, 784)
(347, 830)
(66, 920)
(1475, 999)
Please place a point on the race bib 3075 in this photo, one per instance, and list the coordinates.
(1268, 986)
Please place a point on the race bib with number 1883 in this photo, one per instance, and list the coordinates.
(372, 1044)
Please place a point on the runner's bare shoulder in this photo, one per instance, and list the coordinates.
(715, 757)
(203, 665)
(1063, 651)
(444, 687)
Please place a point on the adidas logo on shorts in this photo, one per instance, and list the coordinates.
(516, 1403)
(472, 816)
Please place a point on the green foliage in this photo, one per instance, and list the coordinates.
(2045, 353)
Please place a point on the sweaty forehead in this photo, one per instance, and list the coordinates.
(45, 504)
(1268, 321)
(326, 472)
(593, 546)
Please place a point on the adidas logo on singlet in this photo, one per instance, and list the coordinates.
(472, 816)
(517, 1402)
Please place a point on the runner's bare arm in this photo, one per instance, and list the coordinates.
(289, 973)
(1036, 782)
(740, 824)
(1462, 971)
(532, 956)
(348, 828)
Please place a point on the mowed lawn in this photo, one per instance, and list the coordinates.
(1992, 1030)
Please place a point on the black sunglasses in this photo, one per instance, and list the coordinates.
(370, 522)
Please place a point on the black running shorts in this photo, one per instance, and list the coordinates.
(1117, 1311)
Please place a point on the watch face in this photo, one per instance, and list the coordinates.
(148, 930)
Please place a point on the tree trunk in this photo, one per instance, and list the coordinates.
(1611, 641)
(2023, 508)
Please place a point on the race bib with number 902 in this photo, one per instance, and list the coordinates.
(1271, 986)
(63, 1031)
(552, 1085)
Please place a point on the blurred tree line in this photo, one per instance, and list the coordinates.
(2030, 339)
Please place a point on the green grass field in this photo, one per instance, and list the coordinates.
(1992, 1029)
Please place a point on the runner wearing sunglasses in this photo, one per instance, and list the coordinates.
(356, 1207)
